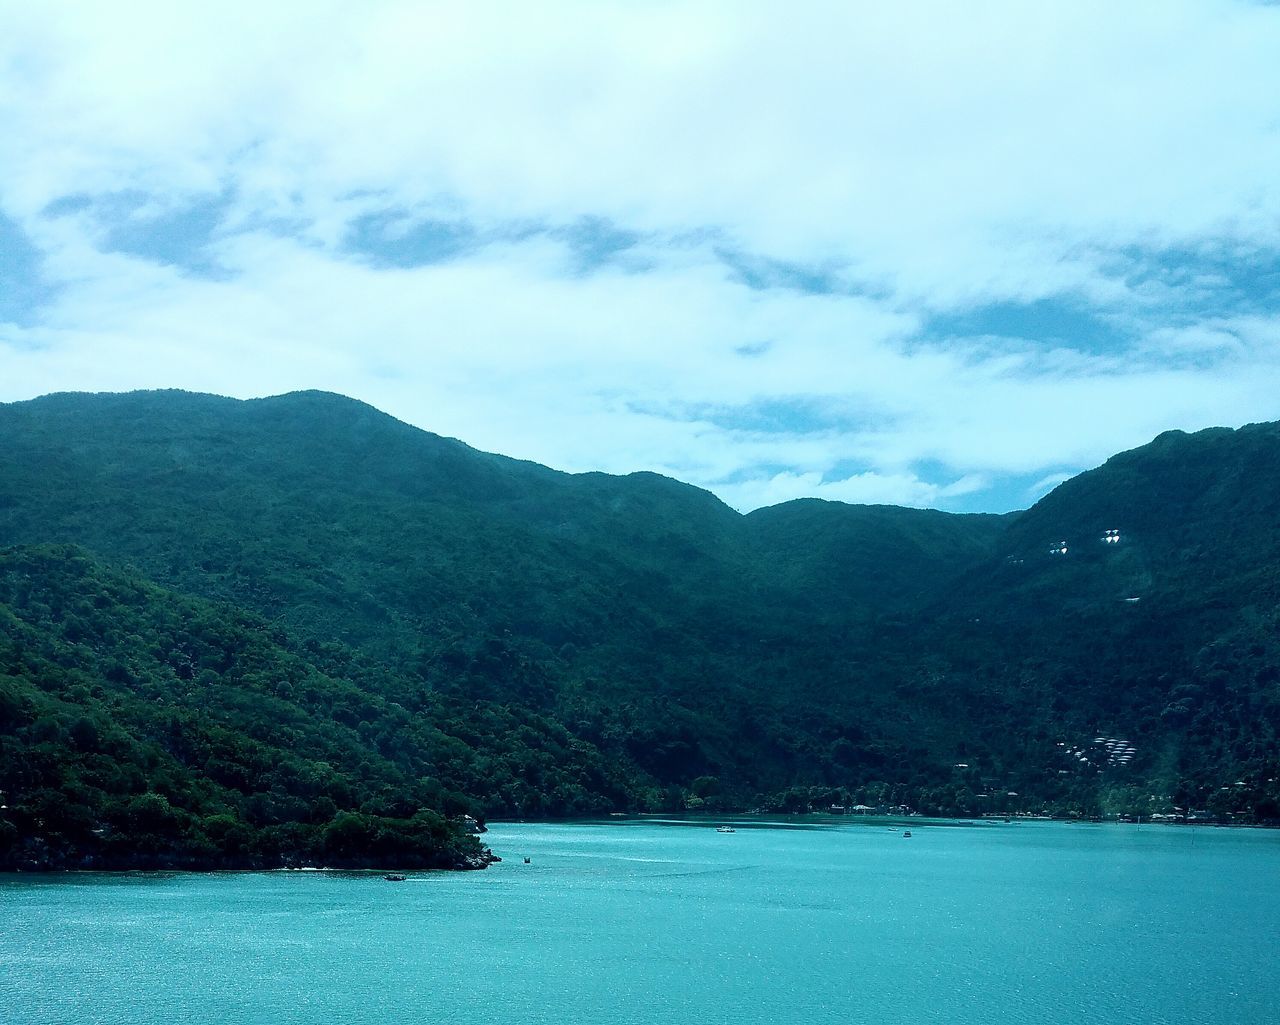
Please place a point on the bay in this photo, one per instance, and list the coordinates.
(648, 922)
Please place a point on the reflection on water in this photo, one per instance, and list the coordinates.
(649, 922)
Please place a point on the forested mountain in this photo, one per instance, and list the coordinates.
(285, 622)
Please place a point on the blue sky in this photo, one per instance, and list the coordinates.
(928, 254)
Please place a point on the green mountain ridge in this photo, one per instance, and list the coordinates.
(554, 644)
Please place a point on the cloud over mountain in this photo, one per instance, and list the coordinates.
(929, 254)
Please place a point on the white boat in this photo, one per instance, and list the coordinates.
(725, 829)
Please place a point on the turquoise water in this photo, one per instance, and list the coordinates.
(649, 923)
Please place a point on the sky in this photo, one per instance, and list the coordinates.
(929, 254)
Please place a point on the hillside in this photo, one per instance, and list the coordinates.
(340, 523)
(143, 729)
(1158, 623)
(376, 527)
(516, 641)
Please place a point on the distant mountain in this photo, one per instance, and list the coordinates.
(584, 643)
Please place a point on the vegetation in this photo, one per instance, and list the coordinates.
(297, 631)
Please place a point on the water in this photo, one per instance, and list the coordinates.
(650, 923)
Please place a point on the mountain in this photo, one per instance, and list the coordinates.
(529, 642)
(374, 526)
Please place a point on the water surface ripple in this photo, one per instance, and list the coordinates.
(643, 923)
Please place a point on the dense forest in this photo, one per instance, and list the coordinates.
(297, 631)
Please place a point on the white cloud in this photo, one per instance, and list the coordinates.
(1044, 485)
(943, 155)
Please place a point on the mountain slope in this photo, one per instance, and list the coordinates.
(117, 695)
(668, 651)
(342, 523)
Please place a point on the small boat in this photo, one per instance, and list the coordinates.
(907, 833)
(394, 877)
(893, 829)
(725, 829)
(526, 861)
